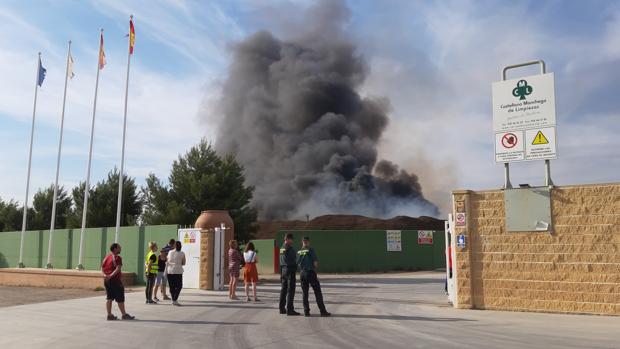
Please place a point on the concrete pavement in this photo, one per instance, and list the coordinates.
(405, 310)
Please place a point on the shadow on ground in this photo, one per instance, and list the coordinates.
(194, 322)
(397, 317)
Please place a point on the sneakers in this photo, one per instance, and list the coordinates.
(292, 313)
(151, 302)
(282, 311)
(176, 303)
(156, 299)
(326, 314)
(128, 317)
(112, 317)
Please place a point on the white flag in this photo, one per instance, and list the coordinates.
(70, 68)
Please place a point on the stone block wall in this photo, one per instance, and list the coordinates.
(576, 269)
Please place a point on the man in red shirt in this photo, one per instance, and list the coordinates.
(111, 270)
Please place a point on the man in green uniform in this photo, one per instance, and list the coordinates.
(288, 270)
(308, 262)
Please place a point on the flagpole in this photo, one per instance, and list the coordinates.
(34, 111)
(90, 156)
(54, 200)
(120, 176)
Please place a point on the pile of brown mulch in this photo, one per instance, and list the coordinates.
(268, 230)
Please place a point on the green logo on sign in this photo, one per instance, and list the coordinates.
(522, 89)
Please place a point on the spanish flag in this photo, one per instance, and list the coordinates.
(132, 36)
(101, 53)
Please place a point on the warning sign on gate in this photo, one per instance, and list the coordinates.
(425, 237)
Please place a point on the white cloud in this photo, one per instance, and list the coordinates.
(441, 97)
(162, 109)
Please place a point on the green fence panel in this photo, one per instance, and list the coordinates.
(265, 250)
(366, 250)
(66, 247)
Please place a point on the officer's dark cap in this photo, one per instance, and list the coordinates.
(307, 238)
(289, 236)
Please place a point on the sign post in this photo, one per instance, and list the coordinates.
(524, 120)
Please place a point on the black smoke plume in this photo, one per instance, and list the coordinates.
(293, 117)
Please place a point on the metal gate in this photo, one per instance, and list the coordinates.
(450, 258)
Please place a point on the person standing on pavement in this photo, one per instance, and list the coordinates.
(174, 269)
(114, 289)
(250, 272)
(161, 279)
(234, 267)
(288, 270)
(308, 262)
(150, 271)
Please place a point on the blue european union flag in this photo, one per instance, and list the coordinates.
(42, 72)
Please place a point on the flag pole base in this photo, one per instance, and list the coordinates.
(21, 265)
(80, 267)
(49, 266)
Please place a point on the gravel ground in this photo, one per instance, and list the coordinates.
(18, 295)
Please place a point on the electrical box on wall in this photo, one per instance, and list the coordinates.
(528, 209)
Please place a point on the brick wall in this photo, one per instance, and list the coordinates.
(576, 269)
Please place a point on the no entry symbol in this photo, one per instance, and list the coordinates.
(509, 140)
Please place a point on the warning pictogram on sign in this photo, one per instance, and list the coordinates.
(460, 219)
(509, 146)
(540, 139)
(509, 140)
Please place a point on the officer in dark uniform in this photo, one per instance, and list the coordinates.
(308, 262)
(288, 270)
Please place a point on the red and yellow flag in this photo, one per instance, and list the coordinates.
(132, 36)
(101, 53)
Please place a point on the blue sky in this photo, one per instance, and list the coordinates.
(435, 61)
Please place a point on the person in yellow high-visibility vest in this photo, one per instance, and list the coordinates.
(150, 271)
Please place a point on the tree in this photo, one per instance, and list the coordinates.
(42, 206)
(10, 216)
(102, 202)
(201, 179)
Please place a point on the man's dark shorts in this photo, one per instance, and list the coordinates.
(114, 291)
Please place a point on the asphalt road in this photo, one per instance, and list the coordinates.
(376, 311)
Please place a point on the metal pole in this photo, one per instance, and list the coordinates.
(543, 70)
(507, 184)
(90, 155)
(120, 176)
(548, 181)
(54, 200)
(34, 112)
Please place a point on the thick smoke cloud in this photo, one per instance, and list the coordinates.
(293, 117)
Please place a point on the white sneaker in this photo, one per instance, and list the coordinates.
(176, 303)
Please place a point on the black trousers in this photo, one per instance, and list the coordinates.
(150, 282)
(287, 292)
(308, 278)
(175, 282)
